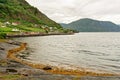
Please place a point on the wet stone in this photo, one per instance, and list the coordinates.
(47, 68)
(11, 70)
(2, 48)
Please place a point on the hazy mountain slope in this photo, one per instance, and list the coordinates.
(90, 25)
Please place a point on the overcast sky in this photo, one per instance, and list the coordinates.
(65, 11)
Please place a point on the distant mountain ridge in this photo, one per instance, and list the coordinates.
(90, 25)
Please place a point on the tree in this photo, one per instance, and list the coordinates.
(1, 24)
(3, 1)
(3, 35)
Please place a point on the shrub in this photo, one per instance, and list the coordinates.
(3, 1)
(3, 35)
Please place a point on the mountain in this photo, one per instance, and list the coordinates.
(24, 17)
(90, 25)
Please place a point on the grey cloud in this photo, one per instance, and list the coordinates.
(69, 10)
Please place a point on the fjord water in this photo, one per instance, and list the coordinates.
(93, 51)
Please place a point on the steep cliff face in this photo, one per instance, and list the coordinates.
(20, 10)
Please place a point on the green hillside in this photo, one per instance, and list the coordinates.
(18, 16)
(20, 10)
(90, 25)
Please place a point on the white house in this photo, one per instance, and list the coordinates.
(14, 24)
(7, 23)
(15, 30)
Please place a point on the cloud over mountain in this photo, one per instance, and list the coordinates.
(70, 10)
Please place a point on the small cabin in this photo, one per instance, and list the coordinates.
(15, 23)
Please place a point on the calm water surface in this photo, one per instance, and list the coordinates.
(94, 51)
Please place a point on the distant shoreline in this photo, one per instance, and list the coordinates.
(35, 34)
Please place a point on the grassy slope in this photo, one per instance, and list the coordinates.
(28, 16)
(20, 10)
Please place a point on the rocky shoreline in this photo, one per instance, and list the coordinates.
(10, 67)
(35, 34)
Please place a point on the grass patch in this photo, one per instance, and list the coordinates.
(2, 35)
(10, 77)
(26, 28)
(2, 40)
(5, 29)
